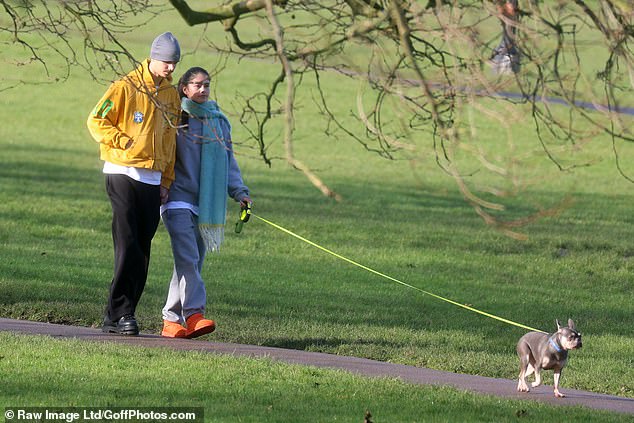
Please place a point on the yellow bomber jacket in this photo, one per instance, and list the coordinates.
(133, 108)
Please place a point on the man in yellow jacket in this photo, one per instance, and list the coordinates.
(135, 125)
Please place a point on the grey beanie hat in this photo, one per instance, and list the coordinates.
(165, 48)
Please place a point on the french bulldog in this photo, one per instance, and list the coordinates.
(539, 351)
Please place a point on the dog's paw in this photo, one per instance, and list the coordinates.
(522, 387)
(559, 394)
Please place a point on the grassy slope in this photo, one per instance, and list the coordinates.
(39, 371)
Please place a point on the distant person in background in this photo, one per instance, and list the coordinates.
(506, 56)
(135, 126)
(194, 215)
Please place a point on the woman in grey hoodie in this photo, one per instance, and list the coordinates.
(198, 171)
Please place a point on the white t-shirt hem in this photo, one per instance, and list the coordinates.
(170, 205)
(147, 176)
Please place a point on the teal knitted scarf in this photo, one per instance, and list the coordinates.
(214, 172)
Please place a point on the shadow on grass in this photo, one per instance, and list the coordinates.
(432, 240)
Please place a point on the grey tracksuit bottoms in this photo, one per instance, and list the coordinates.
(187, 294)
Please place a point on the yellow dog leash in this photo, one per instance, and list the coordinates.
(339, 256)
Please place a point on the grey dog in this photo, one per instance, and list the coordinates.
(539, 351)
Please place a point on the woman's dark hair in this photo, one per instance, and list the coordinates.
(186, 79)
(188, 76)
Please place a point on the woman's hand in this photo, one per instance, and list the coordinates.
(164, 194)
(245, 201)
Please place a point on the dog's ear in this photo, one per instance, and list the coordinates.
(571, 324)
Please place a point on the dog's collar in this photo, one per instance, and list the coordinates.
(555, 346)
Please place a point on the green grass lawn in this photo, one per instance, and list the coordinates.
(404, 218)
(89, 374)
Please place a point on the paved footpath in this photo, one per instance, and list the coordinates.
(417, 375)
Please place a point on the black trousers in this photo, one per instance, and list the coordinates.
(135, 218)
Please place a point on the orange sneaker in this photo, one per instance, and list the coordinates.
(173, 330)
(197, 326)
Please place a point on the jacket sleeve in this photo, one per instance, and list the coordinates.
(169, 137)
(236, 187)
(105, 119)
(168, 175)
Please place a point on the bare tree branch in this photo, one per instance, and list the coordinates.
(429, 77)
(221, 12)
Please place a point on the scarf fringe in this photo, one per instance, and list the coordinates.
(212, 235)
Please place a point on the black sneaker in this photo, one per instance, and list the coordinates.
(126, 325)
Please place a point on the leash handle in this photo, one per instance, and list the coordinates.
(245, 214)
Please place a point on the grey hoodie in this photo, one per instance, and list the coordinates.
(187, 168)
